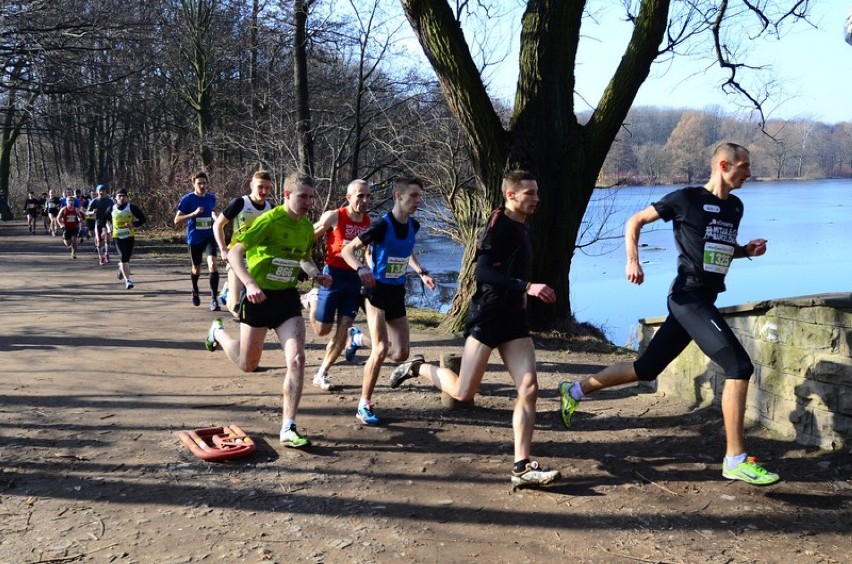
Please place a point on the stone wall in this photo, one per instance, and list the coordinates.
(802, 384)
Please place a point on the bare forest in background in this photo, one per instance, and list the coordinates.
(139, 95)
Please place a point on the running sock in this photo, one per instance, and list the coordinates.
(521, 465)
(358, 340)
(576, 392)
(288, 423)
(214, 283)
(363, 403)
(732, 462)
(194, 278)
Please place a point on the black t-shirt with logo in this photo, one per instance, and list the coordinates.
(705, 232)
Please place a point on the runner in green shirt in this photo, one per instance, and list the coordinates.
(276, 247)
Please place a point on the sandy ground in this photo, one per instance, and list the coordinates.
(97, 380)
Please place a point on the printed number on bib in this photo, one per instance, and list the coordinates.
(396, 267)
(284, 270)
(122, 233)
(204, 223)
(717, 257)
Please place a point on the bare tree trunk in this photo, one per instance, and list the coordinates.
(544, 135)
(253, 58)
(300, 84)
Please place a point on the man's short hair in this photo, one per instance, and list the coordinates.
(513, 179)
(199, 174)
(296, 178)
(355, 184)
(727, 151)
(401, 184)
(262, 175)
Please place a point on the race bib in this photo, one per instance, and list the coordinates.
(717, 257)
(70, 218)
(203, 223)
(397, 267)
(283, 270)
(122, 233)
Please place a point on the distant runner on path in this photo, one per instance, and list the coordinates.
(125, 218)
(195, 209)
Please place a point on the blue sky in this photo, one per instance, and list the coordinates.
(812, 67)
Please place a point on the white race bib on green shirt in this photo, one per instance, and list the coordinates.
(284, 270)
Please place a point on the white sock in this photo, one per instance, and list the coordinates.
(287, 424)
(363, 403)
(732, 462)
(358, 340)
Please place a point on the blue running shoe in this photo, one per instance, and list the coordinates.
(351, 348)
(366, 415)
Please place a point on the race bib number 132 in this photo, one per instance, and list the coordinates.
(717, 257)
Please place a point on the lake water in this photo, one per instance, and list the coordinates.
(808, 225)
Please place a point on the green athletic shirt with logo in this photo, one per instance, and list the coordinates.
(274, 245)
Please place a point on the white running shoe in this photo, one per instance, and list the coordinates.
(533, 475)
(322, 382)
(309, 297)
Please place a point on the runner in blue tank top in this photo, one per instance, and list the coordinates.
(391, 241)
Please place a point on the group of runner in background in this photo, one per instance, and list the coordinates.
(77, 216)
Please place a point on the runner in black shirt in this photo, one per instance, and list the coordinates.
(706, 220)
(32, 209)
(497, 320)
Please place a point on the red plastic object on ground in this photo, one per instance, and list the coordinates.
(217, 444)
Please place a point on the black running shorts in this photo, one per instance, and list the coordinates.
(271, 313)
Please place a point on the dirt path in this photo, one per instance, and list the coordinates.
(97, 380)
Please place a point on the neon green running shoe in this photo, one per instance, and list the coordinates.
(210, 342)
(569, 404)
(293, 438)
(750, 471)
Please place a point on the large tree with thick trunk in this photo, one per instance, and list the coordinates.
(543, 133)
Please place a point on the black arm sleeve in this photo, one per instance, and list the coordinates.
(140, 217)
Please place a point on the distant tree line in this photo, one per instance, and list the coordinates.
(670, 146)
(141, 94)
